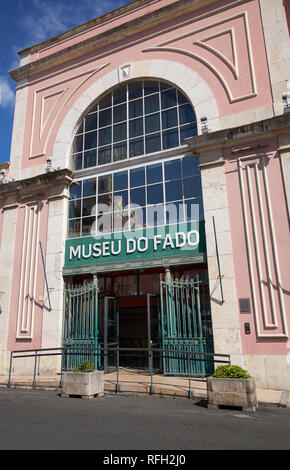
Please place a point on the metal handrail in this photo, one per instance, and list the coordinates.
(63, 352)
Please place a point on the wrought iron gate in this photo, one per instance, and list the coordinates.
(81, 323)
(186, 326)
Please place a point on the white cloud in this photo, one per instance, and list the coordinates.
(7, 94)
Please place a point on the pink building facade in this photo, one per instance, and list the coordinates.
(209, 79)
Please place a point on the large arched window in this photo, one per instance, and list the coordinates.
(135, 119)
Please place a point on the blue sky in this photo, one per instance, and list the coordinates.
(24, 23)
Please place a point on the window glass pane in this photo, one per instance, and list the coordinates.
(172, 170)
(120, 221)
(105, 184)
(75, 191)
(81, 128)
(105, 203)
(88, 226)
(77, 161)
(169, 118)
(186, 114)
(174, 212)
(104, 155)
(154, 173)
(170, 139)
(89, 206)
(190, 166)
(138, 218)
(192, 187)
(137, 177)
(135, 109)
(137, 197)
(168, 98)
(153, 143)
(91, 122)
(150, 87)
(155, 194)
(90, 140)
(106, 102)
(135, 90)
(155, 215)
(165, 86)
(104, 223)
(152, 104)
(152, 123)
(194, 209)
(120, 95)
(187, 131)
(120, 132)
(120, 180)
(120, 151)
(90, 158)
(105, 136)
(74, 228)
(74, 209)
(173, 190)
(136, 127)
(105, 118)
(120, 113)
(89, 187)
(120, 200)
(136, 147)
(181, 98)
(78, 144)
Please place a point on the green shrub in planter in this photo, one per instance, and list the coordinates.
(231, 372)
(85, 366)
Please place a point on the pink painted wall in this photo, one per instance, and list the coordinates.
(26, 304)
(261, 245)
(224, 45)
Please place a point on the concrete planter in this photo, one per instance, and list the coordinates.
(232, 392)
(83, 384)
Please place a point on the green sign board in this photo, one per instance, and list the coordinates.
(143, 244)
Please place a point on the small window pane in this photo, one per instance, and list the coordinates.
(104, 223)
(120, 180)
(168, 98)
(120, 113)
(137, 197)
(153, 143)
(90, 158)
(172, 170)
(106, 102)
(150, 87)
(77, 161)
(105, 203)
(137, 177)
(120, 200)
(135, 109)
(88, 226)
(105, 184)
(89, 187)
(187, 131)
(170, 139)
(105, 155)
(152, 123)
(91, 140)
(120, 151)
(105, 136)
(74, 228)
(120, 95)
(76, 190)
(136, 147)
(194, 209)
(120, 220)
(136, 127)
(135, 90)
(192, 187)
(154, 173)
(186, 114)
(81, 128)
(169, 118)
(181, 98)
(91, 122)
(155, 215)
(173, 190)
(75, 209)
(152, 104)
(105, 118)
(190, 166)
(120, 132)
(89, 206)
(155, 194)
(174, 212)
(78, 144)
(138, 218)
